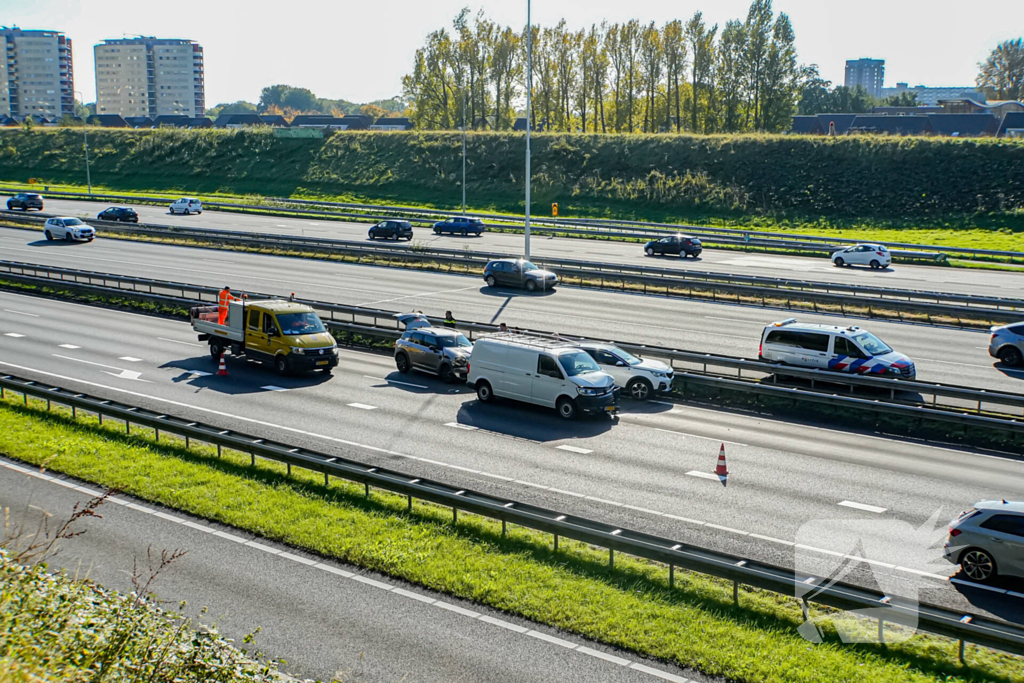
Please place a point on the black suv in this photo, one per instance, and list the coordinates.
(683, 245)
(25, 201)
(392, 230)
(119, 213)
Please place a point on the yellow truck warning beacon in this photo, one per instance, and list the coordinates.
(288, 335)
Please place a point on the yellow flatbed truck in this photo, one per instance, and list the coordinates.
(288, 335)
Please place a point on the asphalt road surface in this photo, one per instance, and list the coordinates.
(947, 355)
(648, 470)
(930, 278)
(323, 618)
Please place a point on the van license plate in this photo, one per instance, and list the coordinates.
(321, 362)
(610, 409)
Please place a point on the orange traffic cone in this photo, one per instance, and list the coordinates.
(721, 470)
(223, 370)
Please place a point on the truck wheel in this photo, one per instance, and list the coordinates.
(281, 363)
(402, 363)
(566, 408)
(216, 350)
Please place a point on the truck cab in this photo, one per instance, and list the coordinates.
(288, 335)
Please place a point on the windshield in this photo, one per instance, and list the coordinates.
(527, 267)
(72, 221)
(872, 344)
(577, 362)
(449, 342)
(629, 358)
(300, 323)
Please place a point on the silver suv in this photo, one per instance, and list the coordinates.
(1007, 344)
(439, 351)
(988, 540)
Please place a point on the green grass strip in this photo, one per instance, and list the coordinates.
(693, 625)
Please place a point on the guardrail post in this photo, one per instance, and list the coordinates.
(74, 413)
(803, 608)
(289, 469)
(367, 490)
(127, 427)
(157, 437)
(218, 450)
(962, 659)
(326, 479)
(611, 558)
(736, 592)
(410, 502)
(671, 576)
(47, 405)
(503, 531)
(881, 630)
(556, 543)
(100, 416)
(26, 398)
(252, 461)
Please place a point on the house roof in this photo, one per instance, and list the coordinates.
(964, 125)
(172, 120)
(108, 121)
(1010, 120)
(391, 121)
(274, 120)
(842, 121)
(893, 125)
(200, 122)
(139, 121)
(908, 111)
(806, 125)
(318, 120)
(8, 121)
(238, 120)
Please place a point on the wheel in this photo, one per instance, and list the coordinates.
(49, 237)
(281, 364)
(490, 281)
(1010, 355)
(67, 236)
(402, 363)
(216, 350)
(978, 565)
(839, 262)
(639, 389)
(408, 238)
(484, 394)
(649, 251)
(186, 212)
(875, 264)
(394, 236)
(465, 233)
(9, 207)
(566, 408)
(683, 254)
(437, 231)
(531, 285)
(447, 376)
(372, 236)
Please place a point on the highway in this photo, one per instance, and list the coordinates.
(648, 470)
(932, 278)
(324, 619)
(948, 355)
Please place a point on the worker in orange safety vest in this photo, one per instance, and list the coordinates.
(222, 299)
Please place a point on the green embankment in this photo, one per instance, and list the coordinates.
(767, 181)
(694, 624)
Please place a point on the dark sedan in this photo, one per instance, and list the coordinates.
(460, 225)
(25, 201)
(676, 245)
(518, 273)
(124, 214)
(392, 230)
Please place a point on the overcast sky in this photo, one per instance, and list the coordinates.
(359, 50)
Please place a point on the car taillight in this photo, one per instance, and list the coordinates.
(467, 367)
(880, 253)
(954, 532)
(760, 347)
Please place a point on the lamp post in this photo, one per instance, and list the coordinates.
(463, 151)
(85, 133)
(529, 89)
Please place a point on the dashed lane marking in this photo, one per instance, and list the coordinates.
(177, 341)
(69, 346)
(703, 475)
(863, 506)
(14, 334)
(696, 436)
(131, 359)
(362, 406)
(574, 449)
(395, 381)
(456, 425)
(31, 315)
(272, 387)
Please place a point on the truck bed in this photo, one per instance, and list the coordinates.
(204, 321)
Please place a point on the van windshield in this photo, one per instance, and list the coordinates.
(872, 344)
(300, 323)
(577, 362)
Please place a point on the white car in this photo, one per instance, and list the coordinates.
(70, 229)
(186, 206)
(639, 377)
(874, 255)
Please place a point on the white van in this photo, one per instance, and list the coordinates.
(830, 347)
(545, 372)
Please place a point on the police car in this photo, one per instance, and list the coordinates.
(831, 347)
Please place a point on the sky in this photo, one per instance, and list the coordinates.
(359, 50)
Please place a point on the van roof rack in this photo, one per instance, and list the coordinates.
(781, 323)
(531, 340)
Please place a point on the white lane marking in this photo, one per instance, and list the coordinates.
(574, 449)
(271, 387)
(696, 436)
(658, 673)
(863, 506)
(551, 639)
(362, 406)
(703, 475)
(771, 539)
(121, 374)
(921, 573)
(414, 596)
(416, 296)
(69, 346)
(603, 655)
(735, 320)
(371, 582)
(504, 624)
(196, 374)
(395, 381)
(264, 548)
(130, 359)
(87, 362)
(456, 425)
(1001, 591)
(949, 362)
(14, 334)
(725, 528)
(458, 610)
(31, 315)
(298, 558)
(176, 341)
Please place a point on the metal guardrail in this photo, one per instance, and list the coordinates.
(750, 290)
(740, 571)
(990, 409)
(593, 227)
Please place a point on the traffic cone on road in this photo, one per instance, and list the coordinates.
(721, 470)
(222, 371)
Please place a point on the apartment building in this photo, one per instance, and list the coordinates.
(869, 73)
(150, 77)
(36, 74)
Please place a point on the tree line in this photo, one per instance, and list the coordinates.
(290, 101)
(623, 78)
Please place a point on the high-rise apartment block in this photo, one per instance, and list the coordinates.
(869, 73)
(36, 74)
(150, 77)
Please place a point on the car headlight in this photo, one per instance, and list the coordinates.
(892, 371)
(587, 391)
(458, 360)
(297, 350)
(662, 375)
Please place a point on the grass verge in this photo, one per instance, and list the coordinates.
(695, 624)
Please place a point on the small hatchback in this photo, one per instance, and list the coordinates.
(874, 255)
(988, 541)
(676, 245)
(70, 229)
(25, 201)
(1007, 344)
(186, 205)
(460, 225)
(124, 214)
(392, 230)
(518, 273)
(830, 347)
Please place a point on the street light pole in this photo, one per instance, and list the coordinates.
(529, 89)
(85, 134)
(463, 151)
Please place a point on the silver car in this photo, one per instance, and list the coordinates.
(440, 351)
(988, 540)
(1007, 344)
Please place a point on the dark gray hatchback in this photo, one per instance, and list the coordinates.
(25, 201)
(518, 273)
